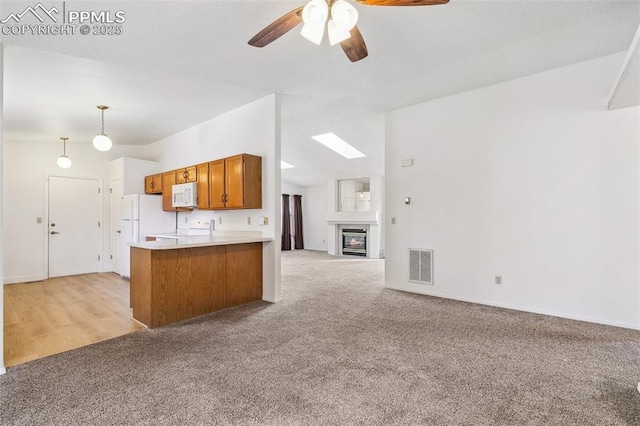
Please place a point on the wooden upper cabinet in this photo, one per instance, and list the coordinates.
(153, 184)
(252, 182)
(202, 173)
(186, 174)
(168, 179)
(230, 183)
(236, 182)
(216, 184)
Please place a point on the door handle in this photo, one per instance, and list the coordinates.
(54, 232)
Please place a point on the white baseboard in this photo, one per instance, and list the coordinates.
(24, 279)
(519, 308)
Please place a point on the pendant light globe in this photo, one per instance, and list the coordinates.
(64, 162)
(102, 141)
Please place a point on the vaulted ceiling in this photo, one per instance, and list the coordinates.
(178, 63)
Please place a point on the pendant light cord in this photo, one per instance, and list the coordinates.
(64, 146)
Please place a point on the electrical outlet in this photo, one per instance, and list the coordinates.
(393, 220)
(38, 220)
(498, 279)
(265, 220)
(248, 220)
(220, 220)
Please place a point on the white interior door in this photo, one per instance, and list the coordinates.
(115, 221)
(74, 226)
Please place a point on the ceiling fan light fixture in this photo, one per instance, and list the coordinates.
(314, 16)
(344, 15)
(315, 12)
(102, 142)
(313, 32)
(336, 35)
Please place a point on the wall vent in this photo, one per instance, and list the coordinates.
(421, 266)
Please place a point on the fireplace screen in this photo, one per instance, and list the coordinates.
(354, 242)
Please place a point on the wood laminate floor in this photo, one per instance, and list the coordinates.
(60, 314)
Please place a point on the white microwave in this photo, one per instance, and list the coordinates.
(184, 195)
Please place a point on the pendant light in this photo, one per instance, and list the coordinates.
(64, 162)
(102, 141)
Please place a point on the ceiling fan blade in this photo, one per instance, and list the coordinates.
(277, 28)
(354, 47)
(402, 2)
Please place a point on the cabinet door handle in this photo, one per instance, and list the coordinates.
(152, 185)
(54, 232)
(222, 198)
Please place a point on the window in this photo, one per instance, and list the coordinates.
(354, 195)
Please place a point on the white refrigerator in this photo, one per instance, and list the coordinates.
(141, 215)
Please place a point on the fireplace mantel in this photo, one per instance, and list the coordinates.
(339, 218)
(352, 222)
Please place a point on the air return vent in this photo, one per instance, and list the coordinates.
(421, 266)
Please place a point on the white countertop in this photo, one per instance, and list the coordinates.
(199, 241)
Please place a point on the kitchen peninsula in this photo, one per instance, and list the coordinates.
(184, 278)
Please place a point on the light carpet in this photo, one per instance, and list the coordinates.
(340, 350)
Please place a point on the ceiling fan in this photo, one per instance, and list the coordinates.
(340, 18)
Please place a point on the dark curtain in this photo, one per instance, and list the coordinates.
(286, 223)
(297, 218)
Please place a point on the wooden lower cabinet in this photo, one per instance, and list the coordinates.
(168, 286)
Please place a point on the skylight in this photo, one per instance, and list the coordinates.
(285, 165)
(333, 142)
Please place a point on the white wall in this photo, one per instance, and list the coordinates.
(25, 166)
(315, 205)
(252, 129)
(288, 188)
(531, 179)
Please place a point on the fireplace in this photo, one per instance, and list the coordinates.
(354, 241)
